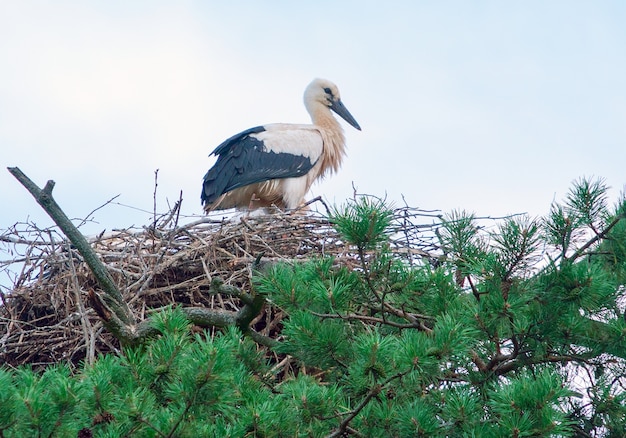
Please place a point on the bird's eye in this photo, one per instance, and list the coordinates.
(328, 91)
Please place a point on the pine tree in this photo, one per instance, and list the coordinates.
(513, 330)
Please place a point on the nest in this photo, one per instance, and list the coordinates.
(45, 319)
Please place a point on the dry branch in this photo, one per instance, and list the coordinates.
(113, 298)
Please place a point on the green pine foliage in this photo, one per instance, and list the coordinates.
(515, 330)
(171, 387)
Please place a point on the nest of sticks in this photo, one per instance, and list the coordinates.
(45, 318)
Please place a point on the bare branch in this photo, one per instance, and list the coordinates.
(44, 197)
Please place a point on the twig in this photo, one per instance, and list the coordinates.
(154, 198)
(84, 220)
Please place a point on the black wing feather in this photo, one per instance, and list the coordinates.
(243, 160)
(226, 144)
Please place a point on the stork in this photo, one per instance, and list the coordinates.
(276, 164)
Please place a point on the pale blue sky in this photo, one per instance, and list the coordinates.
(492, 107)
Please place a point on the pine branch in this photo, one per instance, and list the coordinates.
(372, 319)
(373, 392)
(598, 236)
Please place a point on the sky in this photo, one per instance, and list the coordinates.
(487, 106)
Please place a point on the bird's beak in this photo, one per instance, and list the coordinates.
(338, 107)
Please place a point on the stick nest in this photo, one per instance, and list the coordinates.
(45, 319)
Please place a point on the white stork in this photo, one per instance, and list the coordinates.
(276, 164)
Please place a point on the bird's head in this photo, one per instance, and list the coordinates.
(323, 91)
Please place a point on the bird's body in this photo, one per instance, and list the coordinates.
(276, 164)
